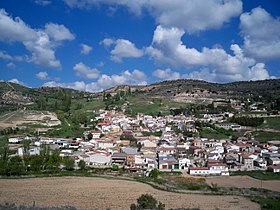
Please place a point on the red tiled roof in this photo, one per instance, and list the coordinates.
(199, 168)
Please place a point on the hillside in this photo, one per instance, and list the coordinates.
(14, 96)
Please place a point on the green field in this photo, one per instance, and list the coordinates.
(264, 137)
(272, 123)
(153, 106)
(216, 133)
(261, 175)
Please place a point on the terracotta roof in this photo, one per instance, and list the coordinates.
(199, 168)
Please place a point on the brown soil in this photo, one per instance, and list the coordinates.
(244, 182)
(92, 193)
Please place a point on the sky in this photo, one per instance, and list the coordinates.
(92, 45)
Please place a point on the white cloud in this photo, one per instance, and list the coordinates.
(168, 48)
(42, 75)
(11, 65)
(5, 56)
(100, 64)
(125, 49)
(122, 49)
(107, 42)
(40, 43)
(86, 72)
(58, 32)
(79, 85)
(193, 16)
(261, 33)
(43, 2)
(14, 80)
(166, 74)
(136, 77)
(85, 49)
(190, 15)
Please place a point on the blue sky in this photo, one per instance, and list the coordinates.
(96, 44)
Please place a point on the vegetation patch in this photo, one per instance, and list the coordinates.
(264, 137)
(267, 203)
(262, 175)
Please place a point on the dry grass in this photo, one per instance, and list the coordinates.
(92, 193)
(244, 182)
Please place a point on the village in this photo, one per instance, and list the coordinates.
(142, 143)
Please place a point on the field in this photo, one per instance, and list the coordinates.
(264, 137)
(262, 175)
(244, 182)
(272, 123)
(100, 193)
(16, 118)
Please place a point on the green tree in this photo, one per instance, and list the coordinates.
(146, 201)
(54, 160)
(154, 173)
(69, 163)
(4, 155)
(15, 166)
(82, 165)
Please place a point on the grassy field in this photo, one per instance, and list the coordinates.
(216, 134)
(272, 123)
(262, 175)
(266, 203)
(153, 106)
(264, 137)
(93, 105)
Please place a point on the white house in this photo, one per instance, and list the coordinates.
(16, 139)
(106, 144)
(99, 158)
(218, 169)
(199, 171)
(184, 163)
(275, 169)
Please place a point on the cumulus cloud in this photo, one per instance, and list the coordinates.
(166, 74)
(194, 16)
(78, 85)
(168, 48)
(107, 42)
(41, 43)
(11, 65)
(136, 77)
(14, 80)
(43, 2)
(190, 15)
(125, 49)
(85, 49)
(58, 32)
(261, 33)
(42, 75)
(122, 48)
(86, 72)
(5, 56)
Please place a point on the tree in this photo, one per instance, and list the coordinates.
(4, 155)
(15, 166)
(82, 164)
(36, 162)
(69, 163)
(54, 160)
(146, 201)
(89, 136)
(154, 173)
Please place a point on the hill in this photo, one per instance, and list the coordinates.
(14, 96)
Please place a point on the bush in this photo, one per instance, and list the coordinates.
(146, 201)
(154, 173)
